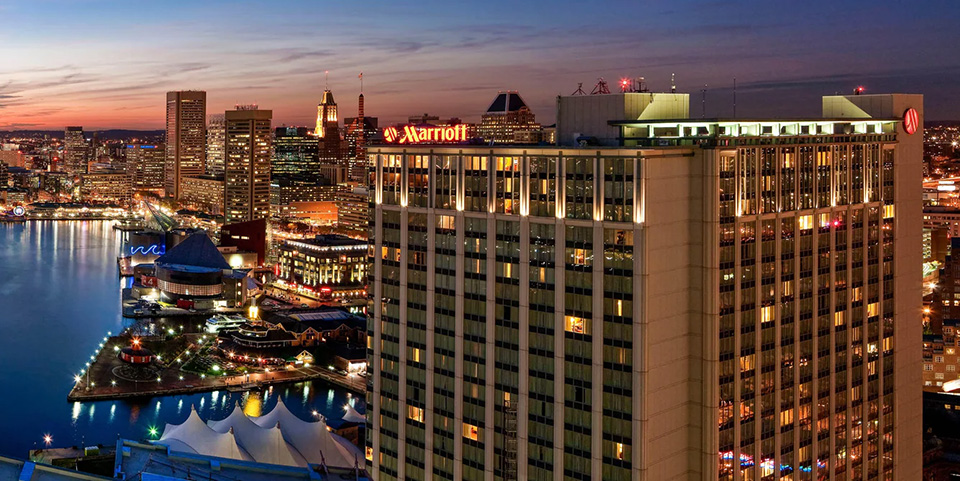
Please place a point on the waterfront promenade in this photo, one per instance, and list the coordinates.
(107, 378)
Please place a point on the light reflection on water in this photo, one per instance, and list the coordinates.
(60, 295)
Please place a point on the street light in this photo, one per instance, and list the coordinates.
(47, 439)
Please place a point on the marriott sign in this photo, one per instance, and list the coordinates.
(413, 134)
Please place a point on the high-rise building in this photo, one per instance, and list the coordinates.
(145, 164)
(711, 299)
(247, 180)
(328, 130)
(295, 153)
(360, 132)
(215, 145)
(204, 193)
(74, 150)
(186, 138)
(508, 120)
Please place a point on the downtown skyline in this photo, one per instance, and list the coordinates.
(105, 64)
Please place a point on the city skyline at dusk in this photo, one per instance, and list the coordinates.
(106, 64)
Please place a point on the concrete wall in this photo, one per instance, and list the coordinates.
(671, 327)
(587, 115)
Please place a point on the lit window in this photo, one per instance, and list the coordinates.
(415, 413)
(888, 212)
(937, 358)
(873, 309)
(766, 314)
(805, 221)
(838, 318)
(471, 432)
(576, 325)
(620, 453)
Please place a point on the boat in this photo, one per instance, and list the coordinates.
(220, 322)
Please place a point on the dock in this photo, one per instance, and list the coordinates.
(102, 383)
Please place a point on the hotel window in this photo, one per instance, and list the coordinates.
(445, 181)
(472, 432)
(951, 367)
(579, 190)
(507, 184)
(576, 325)
(748, 181)
(415, 413)
(543, 186)
(618, 189)
(938, 359)
(475, 183)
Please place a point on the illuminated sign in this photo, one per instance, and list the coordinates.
(147, 250)
(19, 211)
(911, 120)
(413, 134)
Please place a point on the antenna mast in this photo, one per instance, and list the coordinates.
(734, 97)
(579, 90)
(703, 102)
(673, 83)
(600, 87)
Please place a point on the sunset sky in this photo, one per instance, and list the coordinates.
(107, 64)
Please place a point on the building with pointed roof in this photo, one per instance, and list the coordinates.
(508, 120)
(193, 269)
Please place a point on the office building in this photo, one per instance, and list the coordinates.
(507, 116)
(186, 138)
(145, 165)
(328, 130)
(215, 145)
(204, 193)
(941, 344)
(353, 207)
(247, 182)
(74, 150)
(711, 299)
(295, 153)
(107, 186)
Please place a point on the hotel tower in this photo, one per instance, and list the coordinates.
(665, 298)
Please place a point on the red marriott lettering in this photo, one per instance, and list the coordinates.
(419, 135)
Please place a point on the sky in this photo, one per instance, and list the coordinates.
(107, 64)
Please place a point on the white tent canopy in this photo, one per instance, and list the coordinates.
(352, 416)
(265, 445)
(278, 437)
(194, 436)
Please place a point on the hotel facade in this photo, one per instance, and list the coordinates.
(707, 299)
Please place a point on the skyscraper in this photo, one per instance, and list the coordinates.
(706, 299)
(295, 154)
(145, 165)
(247, 179)
(360, 131)
(74, 150)
(215, 145)
(186, 138)
(328, 130)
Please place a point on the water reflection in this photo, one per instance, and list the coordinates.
(63, 278)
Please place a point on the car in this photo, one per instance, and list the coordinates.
(304, 305)
(192, 310)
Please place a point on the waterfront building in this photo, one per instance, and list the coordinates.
(247, 194)
(709, 299)
(505, 119)
(295, 153)
(191, 270)
(145, 165)
(332, 265)
(216, 138)
(186, 138)
(286, 191)
(74, 150)
(204, 193)
(106, 186)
